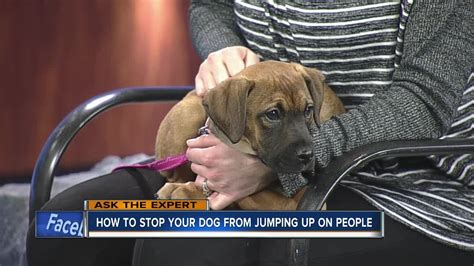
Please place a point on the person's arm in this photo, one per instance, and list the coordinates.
(217, 40)
(437, 59)
(213, 26)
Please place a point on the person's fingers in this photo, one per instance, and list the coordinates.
(199, 180)
(218, 69)
(199, 168)
(205, 74)
(218, 201)
(199, 184)
(199, 86)
(199, 150)
(197, 157)
(209, 82)
(204, 141)
(234, 67)
(234, 61)
(251, 58)
(221, 65)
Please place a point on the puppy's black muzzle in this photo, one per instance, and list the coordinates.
(288, 147)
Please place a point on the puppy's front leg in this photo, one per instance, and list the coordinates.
(180, 191)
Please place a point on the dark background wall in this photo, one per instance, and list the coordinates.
(55, 54)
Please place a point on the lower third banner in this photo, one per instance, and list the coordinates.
(295, 224)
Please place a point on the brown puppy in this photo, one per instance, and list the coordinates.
(266, 111)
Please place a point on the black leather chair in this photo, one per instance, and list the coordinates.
(319, 190)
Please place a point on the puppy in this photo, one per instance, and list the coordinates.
(267, 110)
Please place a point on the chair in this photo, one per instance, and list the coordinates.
(317, 193)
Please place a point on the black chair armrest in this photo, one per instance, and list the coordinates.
(326, 180)
(59, 139)
(316, 194)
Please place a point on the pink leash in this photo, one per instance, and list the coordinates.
(168, 163)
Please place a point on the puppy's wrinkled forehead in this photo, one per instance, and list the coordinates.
(286, 84)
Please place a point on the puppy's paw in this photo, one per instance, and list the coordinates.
(180, 191)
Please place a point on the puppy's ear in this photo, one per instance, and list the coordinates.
(315, 83)
(226, 105)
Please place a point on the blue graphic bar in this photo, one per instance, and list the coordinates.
(293, 224)
(59, 224)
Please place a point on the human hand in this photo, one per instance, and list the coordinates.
(221, 65)
(231, 174)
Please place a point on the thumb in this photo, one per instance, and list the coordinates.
(204, 141)
(218, 201)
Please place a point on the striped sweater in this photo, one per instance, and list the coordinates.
(404, 71)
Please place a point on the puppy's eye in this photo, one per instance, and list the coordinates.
(273, 115)
(309, 111)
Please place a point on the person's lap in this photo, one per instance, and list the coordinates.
(400, 244)
(126, 184)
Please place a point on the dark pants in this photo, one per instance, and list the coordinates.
(400, 246)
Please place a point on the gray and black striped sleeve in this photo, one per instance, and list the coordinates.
(213, 26)
(426, 88)
(437, 58)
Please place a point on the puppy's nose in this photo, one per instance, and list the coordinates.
(305, 155)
